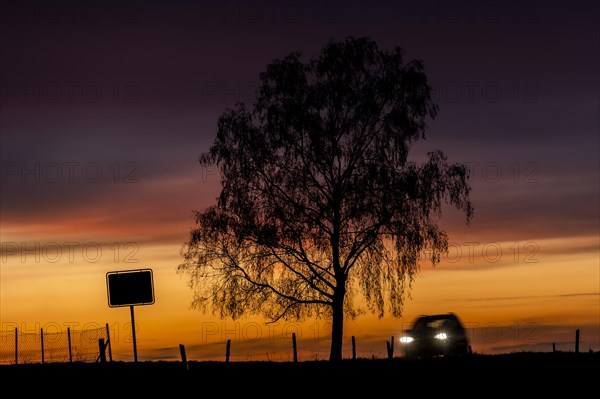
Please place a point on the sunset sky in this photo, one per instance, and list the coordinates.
(105, 109)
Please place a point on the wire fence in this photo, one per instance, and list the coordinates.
(18, 347)
(94, 345)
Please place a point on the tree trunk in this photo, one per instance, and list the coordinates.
(337, 316)
(337, 325)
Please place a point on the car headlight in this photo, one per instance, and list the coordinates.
(441, 336)
(406, 340)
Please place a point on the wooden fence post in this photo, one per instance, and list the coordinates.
(353, 348)
(16, 346)
(102, 348)
(577, 341)
(228, 351)
(295, 348)
(183, 357)
(69, 341)
(390, 348)
(42, 343)
(553, 347)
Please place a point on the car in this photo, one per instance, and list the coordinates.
(435, 335)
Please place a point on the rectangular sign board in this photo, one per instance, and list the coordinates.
(130, 287)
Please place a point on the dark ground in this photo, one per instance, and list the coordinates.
(560, 374)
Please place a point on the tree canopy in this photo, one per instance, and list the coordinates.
(321, 213)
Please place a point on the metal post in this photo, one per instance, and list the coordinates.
(108, 343)
(135, 357)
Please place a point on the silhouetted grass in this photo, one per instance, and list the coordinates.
(473, 376)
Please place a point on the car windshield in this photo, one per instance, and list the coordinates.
(435, 323)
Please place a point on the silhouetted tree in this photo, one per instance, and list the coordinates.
(321, 213)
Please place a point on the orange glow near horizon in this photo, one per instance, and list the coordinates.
(509, 299)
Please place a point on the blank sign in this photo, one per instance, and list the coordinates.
(130, 287)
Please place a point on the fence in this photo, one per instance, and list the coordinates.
(93, 345)
(71, 346)
(90, 345)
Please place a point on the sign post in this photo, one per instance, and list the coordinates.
(130, 288)
(133, 334)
